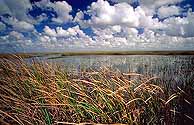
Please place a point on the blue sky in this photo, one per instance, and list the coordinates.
(79, 25)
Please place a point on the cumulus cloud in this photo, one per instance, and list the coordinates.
(103, 13)
(49, 31)
(20, 20)
(19, 25)
(16, 35)
(123, 14)
(109, 38)
(18, 17)
(114, 36)
(120, 1)
(2, 26)
(111, 26)
(62, 9)
(157, 3)
(79, 17)
(149, 40)
(15, 8)
(19, 9)
(150, 6)
(23, 26)
(176, 26)
(4, 8)
(167, 11)
(62, 39)
(60, 32)
(15, 42)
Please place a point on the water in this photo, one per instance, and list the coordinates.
(171, 69)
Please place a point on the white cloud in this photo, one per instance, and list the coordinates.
(79, 17)
(149, 40)
(157, 3)
(2, 26)
(16, 8)
(122, 13)
(23, 26)
(63, 39)
(19, 25)
(146, 21)
(44, 39)
(49, 31)
(103, 14)
(109, 38)
(112, 26)
(167, 11)
(62, 9)
(42, 3)
(150, 6)
(21, 20)
(3, 8)
(16, 35)
(176, 26)
(120, 1)
(39, 19)
(15, 42)
(116, 28)
(60, 32)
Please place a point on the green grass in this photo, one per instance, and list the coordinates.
(39, 93)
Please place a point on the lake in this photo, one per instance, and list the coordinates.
(172, 69)
(164, 95)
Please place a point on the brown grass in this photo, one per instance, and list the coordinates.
(41, 93)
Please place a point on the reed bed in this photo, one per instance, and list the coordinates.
(39, 93)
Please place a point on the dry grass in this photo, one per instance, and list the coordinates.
(41, 93)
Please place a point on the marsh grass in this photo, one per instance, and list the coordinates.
(39, 93)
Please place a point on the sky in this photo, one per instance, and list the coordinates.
(85, 25)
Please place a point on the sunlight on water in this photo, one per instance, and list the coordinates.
(171, 69)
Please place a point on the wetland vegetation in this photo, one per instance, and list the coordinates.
(47, 92)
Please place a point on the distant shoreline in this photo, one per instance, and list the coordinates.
(30, 55)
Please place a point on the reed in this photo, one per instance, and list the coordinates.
(42, 93)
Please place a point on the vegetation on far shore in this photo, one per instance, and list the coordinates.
(40, 93)
(80, 53)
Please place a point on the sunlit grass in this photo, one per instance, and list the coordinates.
(45, 93)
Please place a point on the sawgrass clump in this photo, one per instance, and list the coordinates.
(45, 93)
